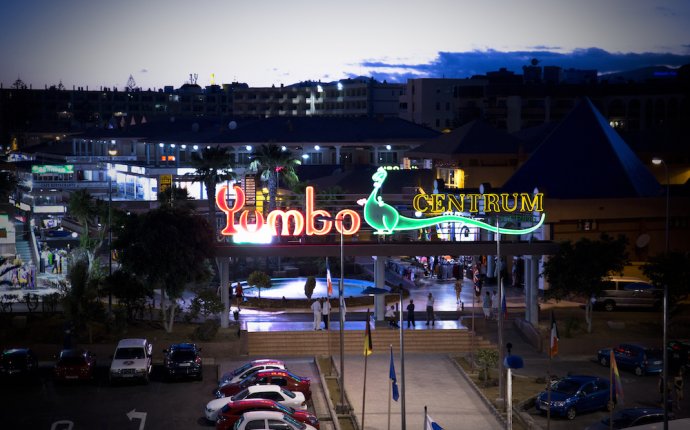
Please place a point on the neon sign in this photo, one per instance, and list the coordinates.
(280, 219)
(382, 217)
(385, 219)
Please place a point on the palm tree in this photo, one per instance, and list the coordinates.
(273, 162)
(8, 183)
(213, 165)
(82, 206)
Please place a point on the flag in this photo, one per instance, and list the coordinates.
(394, 380)
(431, 424)
(329, 281)
(617, 385)
(554, 337)
(367, 338)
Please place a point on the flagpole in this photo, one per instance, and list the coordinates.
(390, 386)
(367, 351)
(548, 393)
(611, 358)
(403, 425)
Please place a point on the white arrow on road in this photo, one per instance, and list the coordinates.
(134, 415)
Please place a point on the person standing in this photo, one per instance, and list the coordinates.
(390, 317)
(316, 308)
(494, 305)
(238, 293)
(325, 312)
(430, 310)
(410, 314)
(458, 290)
(486, 306)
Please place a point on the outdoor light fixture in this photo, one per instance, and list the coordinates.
(388, 147)
(283, 148)
(112, 151)
(195, 147)
(317, 147)
(248, 147)
(657, 162)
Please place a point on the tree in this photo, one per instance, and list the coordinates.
(129, 290)
(672, 270)
(82, 304)
(309, 286)
(580, 268)
(272, 162)
(213, 165)
(259, 280)
(175, 196)
(183, 244)
(8, 183)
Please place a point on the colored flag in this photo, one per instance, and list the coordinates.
(431, 424)
(329, 281)
(553, 351)
(394, 379)
(617, 385)
(367, 337)
(504, 307)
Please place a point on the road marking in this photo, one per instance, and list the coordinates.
(134, 415)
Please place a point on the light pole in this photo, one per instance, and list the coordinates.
(111, 152)
(657, 162)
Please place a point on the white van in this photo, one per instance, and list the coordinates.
(621, 291)
(132, 360)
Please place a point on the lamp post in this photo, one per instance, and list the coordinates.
(657, 162)
(111, 152)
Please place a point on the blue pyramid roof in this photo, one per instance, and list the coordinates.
(583, 158)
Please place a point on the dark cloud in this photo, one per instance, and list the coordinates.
(466, 64)
(544, 48)
(144, 71)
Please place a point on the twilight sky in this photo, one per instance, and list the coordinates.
(264, 42)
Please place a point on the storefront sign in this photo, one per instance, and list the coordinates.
(43, 169)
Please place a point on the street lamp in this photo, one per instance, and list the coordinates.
(112, 151)
(658, 161)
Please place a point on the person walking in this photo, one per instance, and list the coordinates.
(410, 314)
(458, 290)
(430, 310)
(678, 387)
(325, 312)
(486, 306)
(239, 293)
(316, 308)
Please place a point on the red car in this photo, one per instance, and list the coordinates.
(232, 412)
(279, 377)
(75, 364)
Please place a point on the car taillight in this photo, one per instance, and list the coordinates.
(198, 360)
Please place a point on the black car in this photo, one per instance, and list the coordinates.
(183, 360)
(18, 362)
(631, 417)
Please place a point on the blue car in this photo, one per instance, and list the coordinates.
(576, 394)
(638, 358)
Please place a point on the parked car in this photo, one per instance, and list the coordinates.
(628, 292)
(281, 395)
(132, 360)
(638, 358)
(243, 371)
(183, 359)
(280, 377)
(232, 411)
(678, 355)
(18, 362)
(574, 395)
(630, 417)
(266, 420)
(75, 365)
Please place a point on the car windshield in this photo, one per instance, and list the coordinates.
(71, 361)
(288, 393)
(295, 377)
(241, 395)
(129, 353)
(183, 355)
(294, 422)
(241, 369)
(238, 423)
(566, 386)
(621, 420)
(285, 409)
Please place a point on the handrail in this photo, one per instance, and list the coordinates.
(35, 256)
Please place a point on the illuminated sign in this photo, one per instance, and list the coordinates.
(382, 217)
(385, 219)
(164, 182)
(314, 222)
(42, 169)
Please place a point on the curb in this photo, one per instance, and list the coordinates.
(479, 392)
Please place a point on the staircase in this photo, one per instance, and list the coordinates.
(23, 246)
(323, 343)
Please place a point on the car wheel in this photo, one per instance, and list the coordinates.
(604, 361)
(639, 371)
(609, 306)
(570, 413)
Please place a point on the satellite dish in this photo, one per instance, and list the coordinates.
(642, 240)
(195, 127)
(232, 125)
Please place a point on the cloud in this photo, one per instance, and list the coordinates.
(144, 70)
(469, 63)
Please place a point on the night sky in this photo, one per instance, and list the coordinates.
(265, 42)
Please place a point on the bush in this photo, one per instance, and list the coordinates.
(206, 331)
(487, 359)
